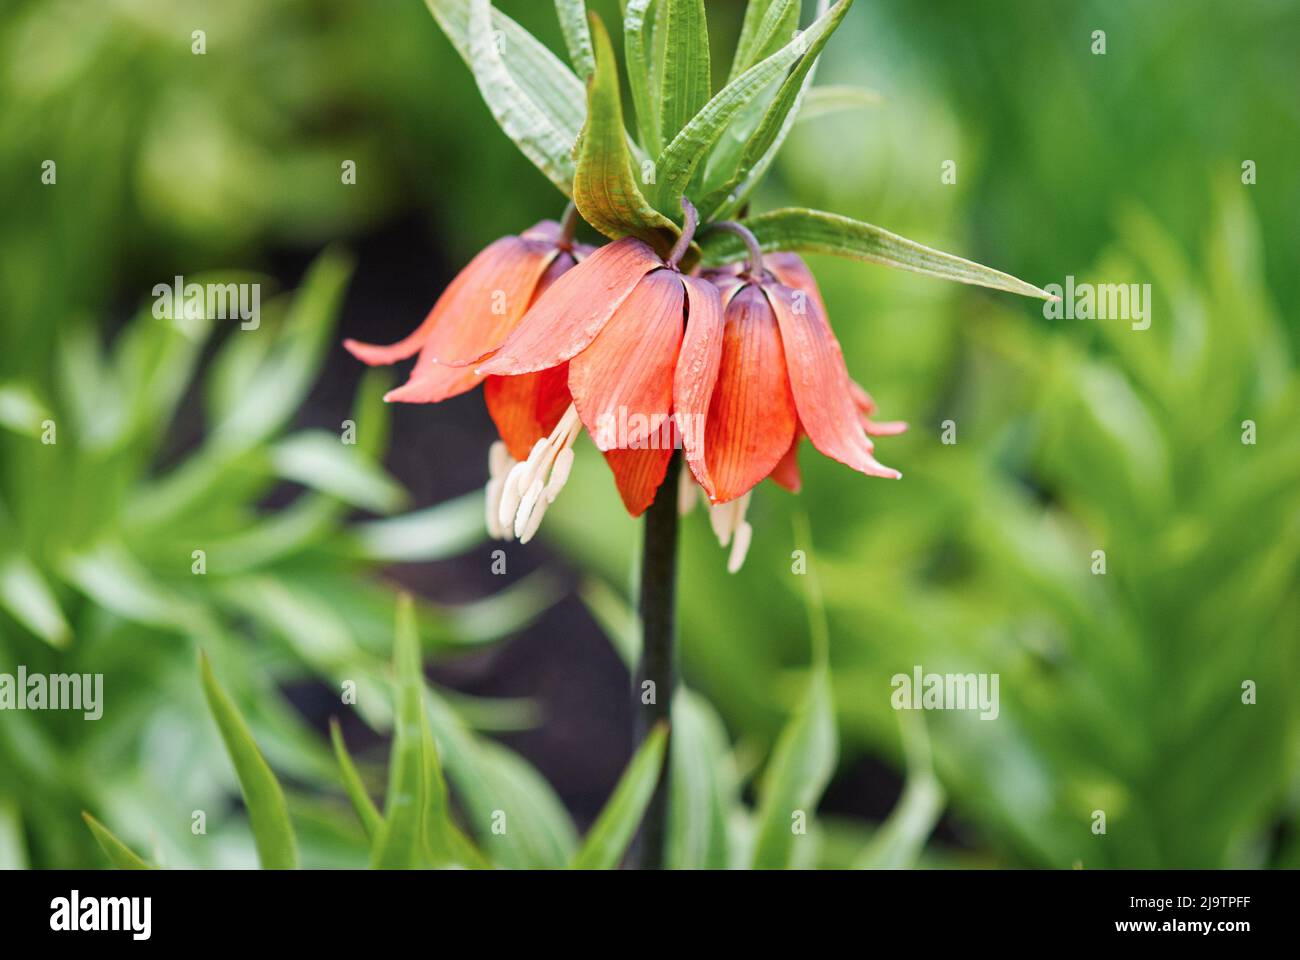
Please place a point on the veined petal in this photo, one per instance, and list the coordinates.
(786, 473)
(638, 475)
(623, 382)
(479, 306)
(791, 270)
(566, 318)
(697, 372)
(866, 407)
(820, 383)
(751, 420)
(526, 408)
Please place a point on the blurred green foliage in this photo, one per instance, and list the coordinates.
(1120, 692)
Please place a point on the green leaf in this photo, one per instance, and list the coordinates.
(121, 856)
(366, 810)
(644, 99)
(13, 848)
(702, 789)
(901, 838)
(20, 411)
(823, 101)
(539, 83)
(613, 830)
(274, 394)
(605, 188)
(26, 595)
(417, 820)
(268, 814)
(320, 460)
(761, 146)
(679, 160)
(434, 533)
(684, 82)
(491, 780)
(549, 147)
(577, 36)
(801, 766)
(769, 24)
(616, 617)
(812, 231)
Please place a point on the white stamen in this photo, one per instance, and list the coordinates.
(728, 520)
(686, 495)
(533, 485)
(740, 547)
(500, 463)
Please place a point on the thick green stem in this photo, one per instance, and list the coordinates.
(658, 609)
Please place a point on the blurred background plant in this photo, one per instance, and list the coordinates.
(1119, 692)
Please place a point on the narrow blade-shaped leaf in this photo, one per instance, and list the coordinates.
(556, 94)
(367, 812)
(605, 188)
(901, 838)
(823, 101)
(798, 772)
(762, 145)
(547, 145)
(417, 822)
(702, 790)
(268, 814)
(118, 853)
(813, 231)
(768, 25)
(613, 830)
(683, 155)
(644, 98)
(25, 593)
(577, 36)
(684, 79)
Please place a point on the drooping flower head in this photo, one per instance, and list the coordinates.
(733, 366)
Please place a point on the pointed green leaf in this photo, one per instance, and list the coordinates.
(801, 766)
(768, 26)
(319, 460)
(824, 101)
(366, 810)
(493, 781)
(555, 94)
(684, 80)
(605, 188)
(901, 838)
(13, 848)
(679, 160)
(25, 594)
(702, 789)
(613, 830)
(577, 36)
(118, 853)
(268, 814)
(761, 146)
(548, 145)
(644, 99)
(417, 822)
(815, 232)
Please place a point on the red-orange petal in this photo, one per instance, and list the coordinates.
(786, 473)
(820, 383)
(638, 475)
(866, 407)
(478, 308)
(623, 382)
(526, 408)
(791, 270)
(566, 318)
(751, 420)
(697, 372)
